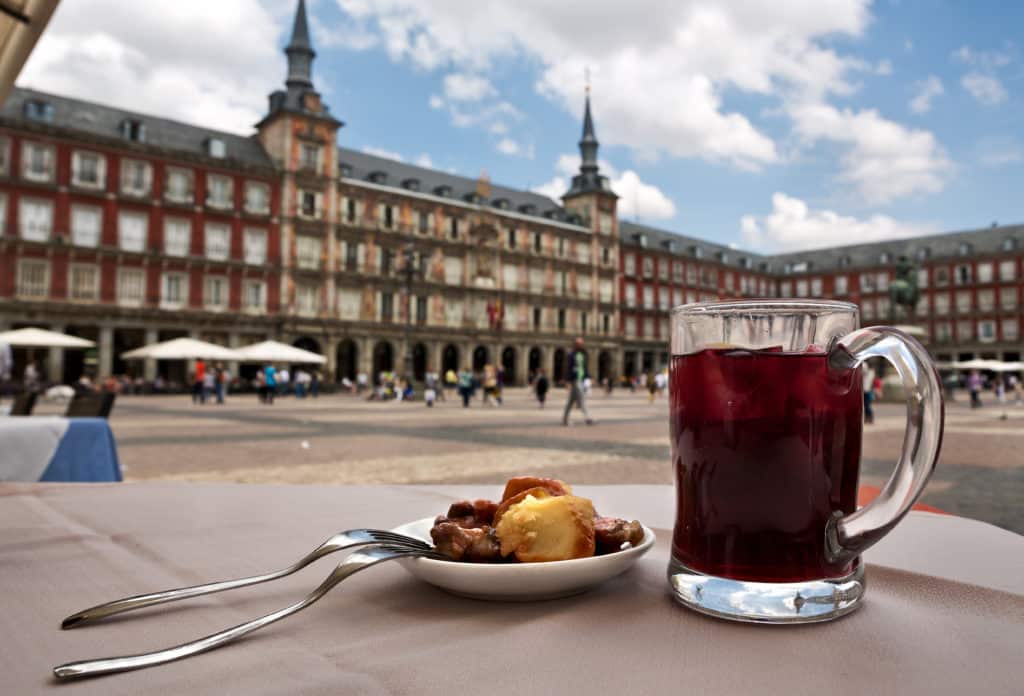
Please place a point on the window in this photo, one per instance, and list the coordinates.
(309, 204)
(987, 331)
(943, 332)
(219, 191)
(536, 317)
(663, 270)
(677, 271)
(630, 295)
(648, 297)
(963, 301)
(964, 249)
(801, 288)
(561, 320)
(309, 157)
(39, 110)
(453, 228)
(1007, 270)
(663, 298)
(88, 169)
(604, 223)
(986, 300)
(215, 293)
(964, 330)
(1011, 330)
(426, 220)
(677, 297)
(352, 256)
(421, 310)
(255, 246)
(37, 162)
(35, 217)
(882, 281)
(941, 276)
(136, 177)
(538, 243)
(83, 283)
(817, 289)
(648, 266)
(563, 283)
(561, 247)
(1008, 298)
(257, 198)
(254, 296)
(387, 261)
(867, 282)
(583, 322)
(131, 287)
(177, 236)
(962, 276)
(728, 281)
(133, 129)
(1009, 244)
(351, 210)
(649, 327)
(387, 306)
(307, 251)
(33, 278)
(867, 309)
(985, 272)
(174, 291)
(691, 274)
(307, 299)
(606, 290)
(386, 216)
(453, 271)
(606, 323)
(215, 147)
(178, 188)
(5, 155)
(882, 306)
(840, 285)
(85, 225)
(510, 238)
(629, 264)
(606, 255)
(922, 278)
(942, 304)
(218, 241)
(786, 289)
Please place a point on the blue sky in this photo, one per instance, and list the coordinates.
(771, 125)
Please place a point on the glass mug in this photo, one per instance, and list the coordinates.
(766, 418)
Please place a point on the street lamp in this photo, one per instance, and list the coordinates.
(408, 257)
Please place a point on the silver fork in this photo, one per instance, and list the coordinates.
(338, 542)
(351, 565)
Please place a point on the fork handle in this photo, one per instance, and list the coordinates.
(108, 665)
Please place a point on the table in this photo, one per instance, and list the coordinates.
(53, 448)
(944, 612)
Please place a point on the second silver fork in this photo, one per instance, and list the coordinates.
(343, 540)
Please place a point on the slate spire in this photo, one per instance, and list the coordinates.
(300, 52)
(589, 180)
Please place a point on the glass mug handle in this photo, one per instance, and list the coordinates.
(847, 536)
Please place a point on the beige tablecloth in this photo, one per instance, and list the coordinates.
(944, 614)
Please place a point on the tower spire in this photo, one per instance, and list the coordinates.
(589, 179)
(300, 52)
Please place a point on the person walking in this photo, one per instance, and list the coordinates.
(576, 373)
(270, 382)
(283, 379)
(490, 381)
(209, 384)
(221, 383)
(314, 384)
(974, 384)
(868, 385)
(198, 377)
(652, 386)
(540, 386)
(465, 385)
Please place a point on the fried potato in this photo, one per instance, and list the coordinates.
(521, 483)
(556, 528)
(538, 493)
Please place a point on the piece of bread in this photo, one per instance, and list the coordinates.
(555, 528)
(519, 484)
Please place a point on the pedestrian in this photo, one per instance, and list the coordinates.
(499, 377)
(999, 387)
(283, 378)
(1017, 387)
(465, 384)
(576, 374)
(302, 382)
(314, 384)
(541, 386)
(661, 382)
(609, 385)
(652, 386)
(221, 384)
(209, 384)
(974, 383)
(261, 386)
(490, 383)
(430, 390)
(31, 377)
(868, 386)
(270, 382)
(361, 382)
(199, 376)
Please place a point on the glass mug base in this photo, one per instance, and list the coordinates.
(809, 601)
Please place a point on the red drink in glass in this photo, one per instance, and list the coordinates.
(766, 447)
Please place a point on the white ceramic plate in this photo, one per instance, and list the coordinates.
(518, 582)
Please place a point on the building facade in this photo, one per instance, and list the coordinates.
(128, 228)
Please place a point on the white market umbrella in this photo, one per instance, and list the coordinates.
(976, 364)
(1007, 366)
(181, 349)
(34, 337)
(274, 351)
(911, 330)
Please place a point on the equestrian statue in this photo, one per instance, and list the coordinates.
(903, 291)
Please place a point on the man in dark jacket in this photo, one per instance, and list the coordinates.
(575, 374)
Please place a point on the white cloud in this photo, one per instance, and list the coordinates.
(660, 70)
(927, 89)
(436, 102)
(467, 87)
(987, 89)
(424, 161)
(793, 225)
(999, 151)
(507, 146)
(882, 159)
(181, 60)
(884, 67)
(988, 60)
(637, 199)
(381, 152)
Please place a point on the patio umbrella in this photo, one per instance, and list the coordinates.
(1006, 366)
(181, 349)
(976, 364)
(34, 337)
(274, 351)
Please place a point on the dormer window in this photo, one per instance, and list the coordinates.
(670, 245)
(698, 253)
(1009, 244)
(134, 130)
(553, 214)
(883, 257)
(964, 249)
(528, 209)
(411, 184)
(309, 157)
(923, 253)
(345, 170)
(844, 262)
(641, 239)
(444, 191)
(473, 197)
(722, 257)
(746, 263)
(215, 147)
(39, 110)
(501, 203)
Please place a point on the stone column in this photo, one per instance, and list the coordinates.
(329, 370)
(149, 365)
(55, 361)
(105, 364)
(365, 356)
(522, 365)
(234, 341)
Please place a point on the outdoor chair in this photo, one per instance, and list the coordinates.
(91, 405)
(23, 404)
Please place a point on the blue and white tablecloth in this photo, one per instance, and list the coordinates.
(52, 448)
